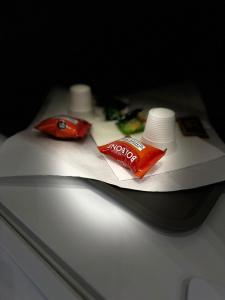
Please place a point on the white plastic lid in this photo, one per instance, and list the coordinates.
(162, 113)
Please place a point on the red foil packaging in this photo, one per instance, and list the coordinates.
(133, 154)
(64, 127)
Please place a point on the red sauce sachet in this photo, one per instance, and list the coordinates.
(133, 154)
(64, 127)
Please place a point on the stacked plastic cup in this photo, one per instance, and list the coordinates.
(160, 129)
(81, 102)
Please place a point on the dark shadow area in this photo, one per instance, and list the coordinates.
(172, 212)
(114, 52)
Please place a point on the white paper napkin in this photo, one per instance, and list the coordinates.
(31, 154)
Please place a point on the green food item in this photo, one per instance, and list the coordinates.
(112, 113)
(131, 126)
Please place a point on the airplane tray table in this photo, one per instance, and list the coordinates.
(96, 246)
(177, 211)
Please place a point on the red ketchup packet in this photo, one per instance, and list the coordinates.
(133, 154)
(64, 127)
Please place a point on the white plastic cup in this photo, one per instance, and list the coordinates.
(81, 101)
(160, 129)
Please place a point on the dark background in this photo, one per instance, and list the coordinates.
(114, 51)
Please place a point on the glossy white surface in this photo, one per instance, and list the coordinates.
(24, 275)
(116, 253)
(14, 284)
(201, 289)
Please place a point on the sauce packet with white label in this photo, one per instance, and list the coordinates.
(133, 154)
